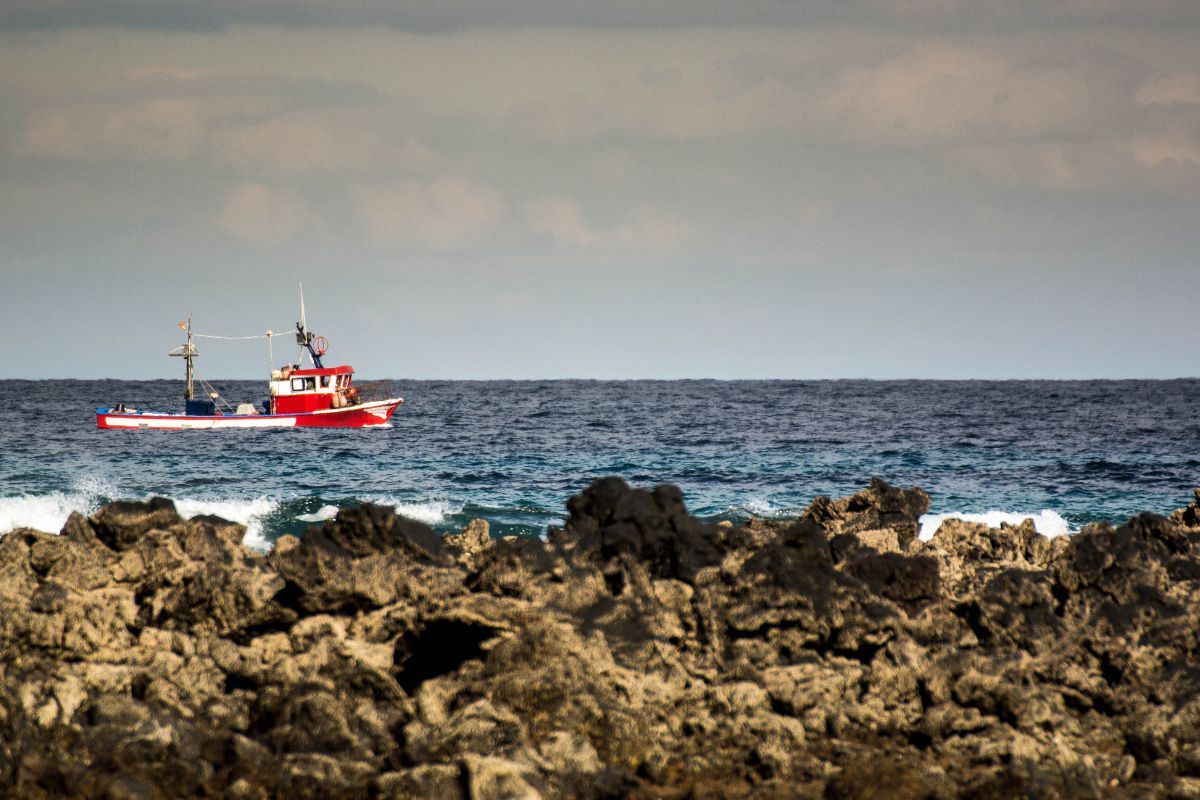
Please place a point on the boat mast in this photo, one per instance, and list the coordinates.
(187, 352)
(188, 355)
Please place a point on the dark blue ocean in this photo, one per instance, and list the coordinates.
(1066, 453)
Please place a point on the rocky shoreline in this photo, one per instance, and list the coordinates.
(639, 652)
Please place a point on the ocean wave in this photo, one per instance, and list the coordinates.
(431, 512)
(41, 512)
(49, 512)
(1047, 522)
(760, 508)
(251, 513)
(320, 515)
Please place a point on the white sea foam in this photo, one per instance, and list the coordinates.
(320, 515)
(1047, 522)
(244, 512)
(431, 512)
(760, 508)
(49, 512)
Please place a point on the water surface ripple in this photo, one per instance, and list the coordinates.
(512, 452)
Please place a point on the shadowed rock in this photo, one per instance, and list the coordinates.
(609, 518)
(122, 523)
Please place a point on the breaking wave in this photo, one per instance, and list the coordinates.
(320, 515)
(759, 508)
(42, 512)
(1047, 522)
(431, 512)
(49, 512)
(251, 513)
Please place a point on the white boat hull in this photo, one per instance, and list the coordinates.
(357, 416)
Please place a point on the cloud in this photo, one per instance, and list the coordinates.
(941, 90)
(264, 216)
(448, 213)
(1046, 165)
(1170, 90)
(656, 231)
(692, 95)
(310, 142)
(1170, 150)
(163, 128)
(1117, 165)
(648, 231)
(277, 126)
(560, 219)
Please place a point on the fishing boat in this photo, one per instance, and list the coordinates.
(315, 396)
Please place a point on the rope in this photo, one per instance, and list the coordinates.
(266, 335)
(208, 387)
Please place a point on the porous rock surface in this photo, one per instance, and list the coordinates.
(639, 652)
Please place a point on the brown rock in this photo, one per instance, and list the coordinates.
(638, 652)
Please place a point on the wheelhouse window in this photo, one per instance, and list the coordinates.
(324, 381)
(297, 384)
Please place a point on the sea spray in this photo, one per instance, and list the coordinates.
(1045, 522)
(252, 513)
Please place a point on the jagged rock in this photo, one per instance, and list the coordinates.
(876, 507)
(638, 652)
(492, 778)
(510, 567)
(124, 522)
(430, 780)
(910, 581)
(470, 543)
(371, 529)
(610, 518)
(1190, 515)
(969, 551)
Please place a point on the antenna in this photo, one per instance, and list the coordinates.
(304, 338)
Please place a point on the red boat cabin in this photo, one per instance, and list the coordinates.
(297, 391)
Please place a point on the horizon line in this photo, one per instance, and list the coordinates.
(673, 379)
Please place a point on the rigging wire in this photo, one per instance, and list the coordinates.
(269, 335)
(213, 394)
(266, 335)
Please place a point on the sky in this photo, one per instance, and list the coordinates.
(532, 189)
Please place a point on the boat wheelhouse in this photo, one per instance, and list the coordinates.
(299, 391)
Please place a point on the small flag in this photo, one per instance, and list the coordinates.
(182, 327)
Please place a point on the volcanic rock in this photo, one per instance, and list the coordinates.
(637, 652)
